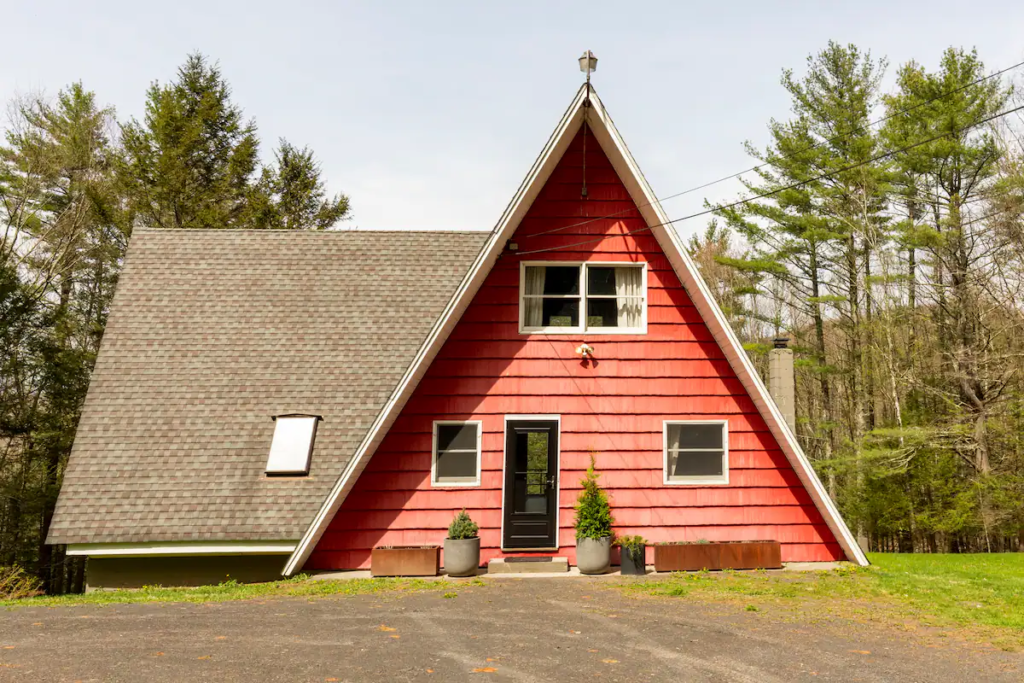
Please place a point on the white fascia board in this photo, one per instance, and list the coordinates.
(181, 549)
(450, 316)
(647, 202)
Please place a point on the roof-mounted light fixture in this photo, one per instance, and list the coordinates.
(588, 63)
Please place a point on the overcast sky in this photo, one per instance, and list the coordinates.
(429, 114)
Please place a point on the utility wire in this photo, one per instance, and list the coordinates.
(776, 191)
(831, 140)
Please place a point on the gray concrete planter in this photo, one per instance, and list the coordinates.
(593, 556)
(462, 557)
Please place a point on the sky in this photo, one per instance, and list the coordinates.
(429, 115)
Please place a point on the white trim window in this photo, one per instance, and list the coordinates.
(292, 446)
(455, 459)
(563, 297)
(696, 453)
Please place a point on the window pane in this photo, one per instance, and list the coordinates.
(601, 280)
(695, 436)
(456, 436)
(561, 279)
(602, 313)
(561, 313)
(532, 452)
(695, 464)
(457, 465)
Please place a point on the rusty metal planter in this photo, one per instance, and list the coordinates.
(677, 557)
(397, 560)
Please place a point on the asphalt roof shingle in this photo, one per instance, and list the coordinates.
(212, 332)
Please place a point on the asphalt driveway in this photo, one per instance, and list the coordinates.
(512, 629)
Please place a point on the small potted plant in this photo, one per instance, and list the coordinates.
(593, 526)
(462, 547)
(634, 550)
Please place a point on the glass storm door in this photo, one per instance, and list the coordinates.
(531, 484)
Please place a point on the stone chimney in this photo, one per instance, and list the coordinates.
(781, 380)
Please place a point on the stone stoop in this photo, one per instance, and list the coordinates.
(528, 565)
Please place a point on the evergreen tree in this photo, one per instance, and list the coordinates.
(813, 239)
(63, 245)
(191, 162)
(291, 194)
(593, 513)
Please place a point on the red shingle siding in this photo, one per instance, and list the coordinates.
(487, 370)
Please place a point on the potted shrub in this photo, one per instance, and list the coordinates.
(462, 547)
(634, 550)
(593, 526)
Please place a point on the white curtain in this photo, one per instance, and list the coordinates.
(674, 434)
(629, 296)
(534, 316)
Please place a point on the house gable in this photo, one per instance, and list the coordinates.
(476, 365)
(613, 409)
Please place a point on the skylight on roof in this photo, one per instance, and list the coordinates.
(292, 446)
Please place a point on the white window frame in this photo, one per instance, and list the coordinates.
(582, 327)
(695, 481)
(434, 483)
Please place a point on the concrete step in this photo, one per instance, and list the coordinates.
(528, 565)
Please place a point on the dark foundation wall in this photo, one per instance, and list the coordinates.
(135, 572)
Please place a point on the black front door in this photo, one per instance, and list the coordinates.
(531, 484)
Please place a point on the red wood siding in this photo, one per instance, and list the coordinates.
(487, 370)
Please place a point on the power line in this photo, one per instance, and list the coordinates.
(776, 191)
(831, 140)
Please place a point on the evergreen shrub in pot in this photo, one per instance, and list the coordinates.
(462, 547)
(593, 526)
(634, 550)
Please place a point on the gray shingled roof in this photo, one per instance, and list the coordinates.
(214, 331)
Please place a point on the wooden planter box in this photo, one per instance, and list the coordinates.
(413, 560)
(682, 557)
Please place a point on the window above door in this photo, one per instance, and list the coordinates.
(565, 297)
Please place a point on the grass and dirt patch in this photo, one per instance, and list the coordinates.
(981, 595)
(297, 587)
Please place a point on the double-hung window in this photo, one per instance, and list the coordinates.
(583, 297)
(456, 457)
(697, 452)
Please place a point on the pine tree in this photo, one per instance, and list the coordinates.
(191, 162)
(292, 195)
(946, 176)
(814, 239)
(63, 245)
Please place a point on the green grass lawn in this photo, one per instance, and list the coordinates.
(974, 591)
(299, 586)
